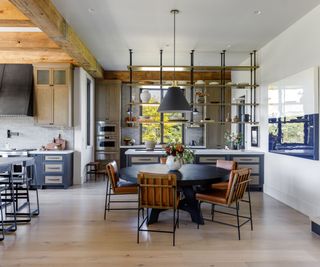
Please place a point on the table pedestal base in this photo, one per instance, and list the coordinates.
(188, 204)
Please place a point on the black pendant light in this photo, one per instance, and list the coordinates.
(174, 100)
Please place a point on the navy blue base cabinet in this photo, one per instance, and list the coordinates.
(54, 170)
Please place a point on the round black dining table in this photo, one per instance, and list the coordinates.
(188, 177)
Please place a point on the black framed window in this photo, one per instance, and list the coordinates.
(155, 124)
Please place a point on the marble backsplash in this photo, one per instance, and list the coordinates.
(31, 135)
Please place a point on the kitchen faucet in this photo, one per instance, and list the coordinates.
(10, 133)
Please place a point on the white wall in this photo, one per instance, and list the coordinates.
(294, 181)
(83, 153)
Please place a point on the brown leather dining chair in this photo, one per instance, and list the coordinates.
(228, 165)
(117, 186)
(158, 191)
(231, 197)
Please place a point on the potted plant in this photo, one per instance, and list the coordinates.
(150, 142)
(177, 155)
(232, 140)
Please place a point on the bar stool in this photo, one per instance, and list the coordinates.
(22, 185)
(7, 201)
(92, 168)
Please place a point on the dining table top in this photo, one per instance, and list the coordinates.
(187, 175)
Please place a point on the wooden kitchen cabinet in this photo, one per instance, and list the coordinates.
(54, 169)
(53, 94)
(108, 100)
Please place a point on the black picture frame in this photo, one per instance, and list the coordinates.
(255, 136)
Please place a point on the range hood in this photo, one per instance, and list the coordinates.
(16, 90)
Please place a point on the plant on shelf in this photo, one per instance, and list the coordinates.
(178, 154)
(232, 140)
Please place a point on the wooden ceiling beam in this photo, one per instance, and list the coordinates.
(45, 16)
(29, 56)
(26, 40)
(15, 23)
(155, 75)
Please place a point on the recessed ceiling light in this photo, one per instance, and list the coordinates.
(257, 12)
(91, 10)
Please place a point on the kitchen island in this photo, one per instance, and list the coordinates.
(245, 159)
(54, 168)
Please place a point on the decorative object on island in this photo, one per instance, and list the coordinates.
(232, 140)
(174, 100)
(145, 96)
(150, 142)
(177, 155)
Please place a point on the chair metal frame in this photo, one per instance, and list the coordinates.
(7, 200)
(110, 191)
(21, 190)
(237, 188)
(143, 188)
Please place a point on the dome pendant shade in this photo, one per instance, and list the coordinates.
(174, 101)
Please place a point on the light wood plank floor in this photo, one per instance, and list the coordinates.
(71, 232)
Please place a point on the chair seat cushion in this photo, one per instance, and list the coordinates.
(220, 186)
(125, 187)
(215, 196)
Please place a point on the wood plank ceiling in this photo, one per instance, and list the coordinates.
(57, 42)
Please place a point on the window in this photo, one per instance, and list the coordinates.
(88, 112)
(156, 125)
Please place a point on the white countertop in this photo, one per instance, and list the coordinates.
(159, 146)
(48, 152)
(226, 152)
(197, 152)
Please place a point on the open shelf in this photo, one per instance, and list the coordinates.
(189, 68)
(226, 122)
(223, 104)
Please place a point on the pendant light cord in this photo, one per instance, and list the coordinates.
(174, 45)
(174, 12)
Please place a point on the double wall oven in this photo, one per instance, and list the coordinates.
(107, 139)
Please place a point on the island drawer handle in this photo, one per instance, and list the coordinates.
(53, 158)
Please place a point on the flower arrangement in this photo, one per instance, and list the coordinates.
(179, 151)
(232, 139)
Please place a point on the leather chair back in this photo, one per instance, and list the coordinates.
(112, 171)
(227, 164)
(157, 190)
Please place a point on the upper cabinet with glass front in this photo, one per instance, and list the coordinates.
(50, 75)
(53, 94)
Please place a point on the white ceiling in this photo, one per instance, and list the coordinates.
(110, 27)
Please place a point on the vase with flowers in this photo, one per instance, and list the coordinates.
(177, 154)
(232, 140)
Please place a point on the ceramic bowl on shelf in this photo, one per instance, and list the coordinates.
(213, 83)
(199, 82)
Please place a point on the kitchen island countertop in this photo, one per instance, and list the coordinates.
(48, 152)
(196, 152)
